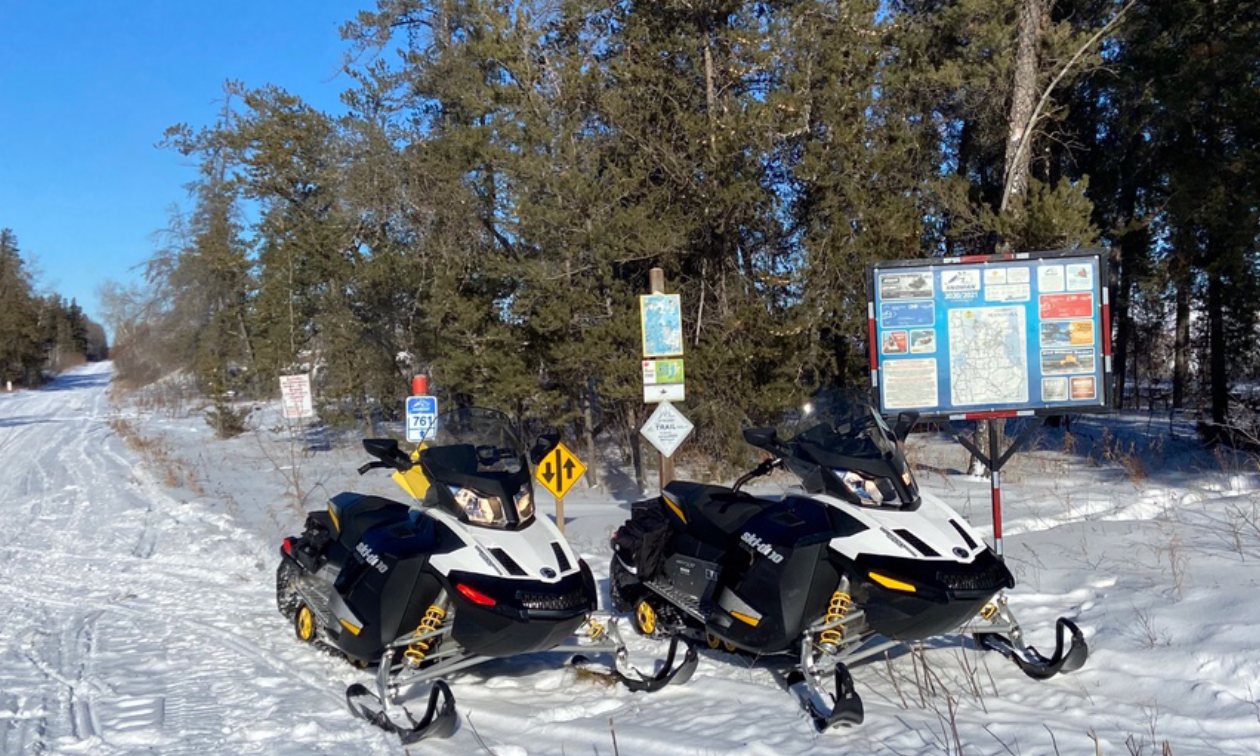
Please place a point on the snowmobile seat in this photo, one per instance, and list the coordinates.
(714, 514)
(358, 513)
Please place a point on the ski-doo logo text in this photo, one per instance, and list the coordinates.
(370, 557)
(761, 547)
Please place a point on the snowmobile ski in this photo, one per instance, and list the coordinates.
(439, 720)
(668, 674)
(1033, 663)
(846, 707)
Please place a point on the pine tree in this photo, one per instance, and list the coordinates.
(21, 352)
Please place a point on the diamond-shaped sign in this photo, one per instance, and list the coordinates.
(666, 429)
(559, 470)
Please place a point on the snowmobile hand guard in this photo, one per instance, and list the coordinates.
(439, 720)
(1033, 663)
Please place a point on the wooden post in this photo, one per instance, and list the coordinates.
(656, 285)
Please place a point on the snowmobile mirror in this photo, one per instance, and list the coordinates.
(905, 421)
(545, 442)
(762, 438)
(387, 451)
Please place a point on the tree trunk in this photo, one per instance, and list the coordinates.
(1125, 259)
(1032, 19)
(1033, 15)
(636, 446)
(1181, 341)
(1216, 344)
(593, 478)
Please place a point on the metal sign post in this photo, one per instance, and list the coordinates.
(557, 472)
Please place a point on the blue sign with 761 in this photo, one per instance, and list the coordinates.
(421, 418)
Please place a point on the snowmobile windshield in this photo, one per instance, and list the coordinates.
(480, 468)
(846, 448)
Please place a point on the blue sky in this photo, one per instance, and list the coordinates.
(86, 89)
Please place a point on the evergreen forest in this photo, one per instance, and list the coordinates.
(487, 209)
(40, 334)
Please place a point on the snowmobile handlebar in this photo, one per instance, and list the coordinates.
(371, 466)
(762, 469)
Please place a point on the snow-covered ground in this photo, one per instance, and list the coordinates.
(138, 612)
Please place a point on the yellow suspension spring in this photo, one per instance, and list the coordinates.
(989, 611)
(595, 629)
(841, 603)
(431, 621)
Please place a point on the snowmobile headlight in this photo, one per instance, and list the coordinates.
(870, 489)
(479, 508)
(524, 505)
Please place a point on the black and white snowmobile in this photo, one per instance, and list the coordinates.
(854, 561)
(467, 575)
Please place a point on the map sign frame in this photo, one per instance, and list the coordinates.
(991, 335)
(660, 317)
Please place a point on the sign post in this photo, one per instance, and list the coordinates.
(558, 470)
(991, 337)
(660, 316)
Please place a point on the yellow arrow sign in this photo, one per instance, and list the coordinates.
(559, 470)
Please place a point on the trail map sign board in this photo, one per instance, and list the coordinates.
(661, 318)
(991, 336)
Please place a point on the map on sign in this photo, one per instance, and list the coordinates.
(661, 318)
(559, 470)
(666, 429)
(421, 418)
(988, 360)
(991, 334)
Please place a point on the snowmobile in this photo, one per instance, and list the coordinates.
(468, 574)
(854, 561)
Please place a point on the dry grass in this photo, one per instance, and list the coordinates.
(171, 471)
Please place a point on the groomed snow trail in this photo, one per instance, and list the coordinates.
(133, 622)
(136, 618)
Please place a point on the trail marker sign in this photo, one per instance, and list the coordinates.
(559, 470)
(421, 418)
(666, 429)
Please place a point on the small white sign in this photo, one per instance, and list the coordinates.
(421, 418)
(666, 429)
(295, 396)
(664, 392)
